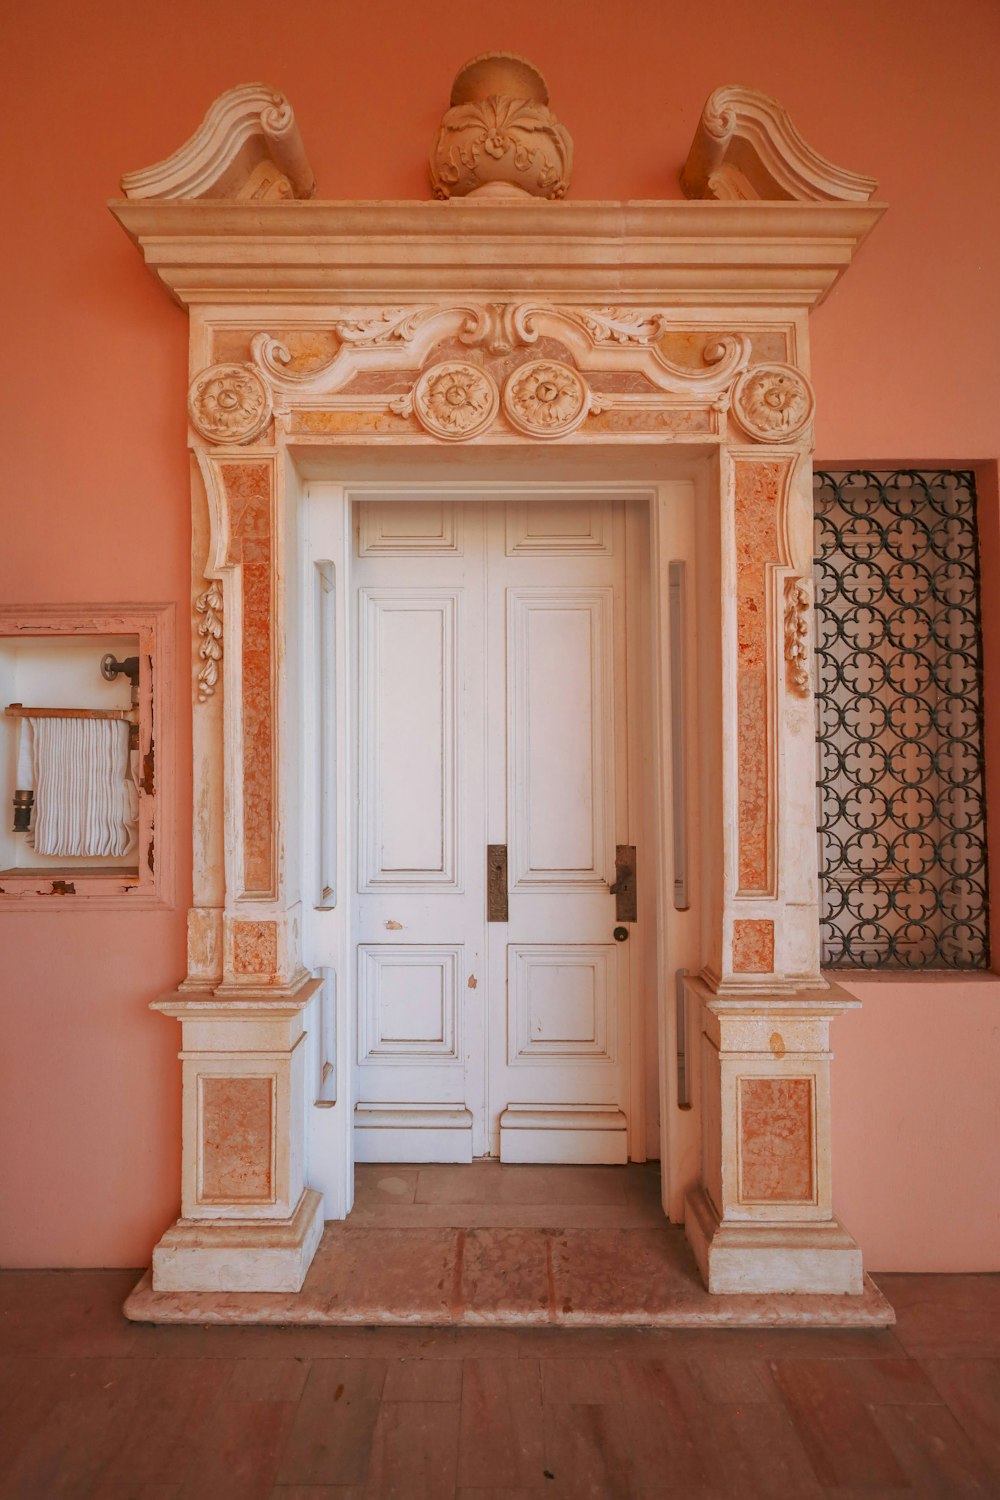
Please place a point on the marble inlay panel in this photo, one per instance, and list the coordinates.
(255, 948)
(758, 489)
(776, 1140)
(753, 947)
(248, 491)
(237, 1116)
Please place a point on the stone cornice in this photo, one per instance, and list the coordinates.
(687, 253)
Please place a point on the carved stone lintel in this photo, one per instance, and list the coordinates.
(247, 147)
(499, 136)
(209, 605)
(747, 147)
(798, 601)
(773, 403)
(229, 403)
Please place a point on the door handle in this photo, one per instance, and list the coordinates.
(624, 889)
(496, 882)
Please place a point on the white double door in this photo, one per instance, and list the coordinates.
(491, 713)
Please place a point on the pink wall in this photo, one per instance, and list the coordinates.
(96, 476)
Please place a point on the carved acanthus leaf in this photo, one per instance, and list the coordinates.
(625, 325)
(209, 605)
(393, 325)
(798, 602)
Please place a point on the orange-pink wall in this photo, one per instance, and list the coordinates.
(95, 492)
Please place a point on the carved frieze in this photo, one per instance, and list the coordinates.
(773, 403)
(499, 134)
(209, 606)
(229, 403)
(545, 399)
(798, 600)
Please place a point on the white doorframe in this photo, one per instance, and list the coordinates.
(676, 532)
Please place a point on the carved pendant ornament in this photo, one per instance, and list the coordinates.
(798, 601)
(773, 403)
(209, 606)
(230, 404)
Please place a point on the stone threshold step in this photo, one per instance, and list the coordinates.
(445, 1277)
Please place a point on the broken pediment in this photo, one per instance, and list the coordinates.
(247, 148)
(746, 147)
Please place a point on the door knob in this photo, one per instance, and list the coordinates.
(620, 934)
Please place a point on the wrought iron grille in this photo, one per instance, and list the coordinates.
(902, 818)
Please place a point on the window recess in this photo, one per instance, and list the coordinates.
(901, 802)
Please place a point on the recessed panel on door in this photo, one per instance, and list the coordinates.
(408, 1007)
(408, 823)
(560, 761)
(562, 1003)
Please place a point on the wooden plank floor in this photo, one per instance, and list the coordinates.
(93, 1406)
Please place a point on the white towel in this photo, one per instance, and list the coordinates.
(85, 799)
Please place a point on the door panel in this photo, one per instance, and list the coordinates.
(491, 709)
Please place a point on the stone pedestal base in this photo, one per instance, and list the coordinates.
(260, 1255)
(768, 1257)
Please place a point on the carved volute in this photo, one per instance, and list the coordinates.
(499, 137)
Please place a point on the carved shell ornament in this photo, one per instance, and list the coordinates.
(455, 401)
(229, 403)
(499, 136)
(773, 403)
(545, 399)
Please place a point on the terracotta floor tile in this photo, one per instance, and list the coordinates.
(267, 1380)
(239, 1451)
(423, 1380)
(500, 1435)
(936, 1456)
(892, 1382)
(971, 1388)
(414, 1451)
(759, 1453)
(175, 1402)
(581, 1381)
(725, 1381)
(946, 1317)
(587, 1453)
(666, 1422)
(835, 1427)
(66, 1312)
(331, 1435)
(72, 1446)
(505, 1272)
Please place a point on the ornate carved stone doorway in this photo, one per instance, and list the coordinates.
(658, 340)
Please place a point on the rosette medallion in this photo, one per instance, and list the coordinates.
(229, 403)
(773, 403)
(455, 400)
(545, 399)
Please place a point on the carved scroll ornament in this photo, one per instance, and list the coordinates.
(773, 403)
(798, 601)
(229, 403)
(209, 605)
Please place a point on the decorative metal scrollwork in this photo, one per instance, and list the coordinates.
(903, 875)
